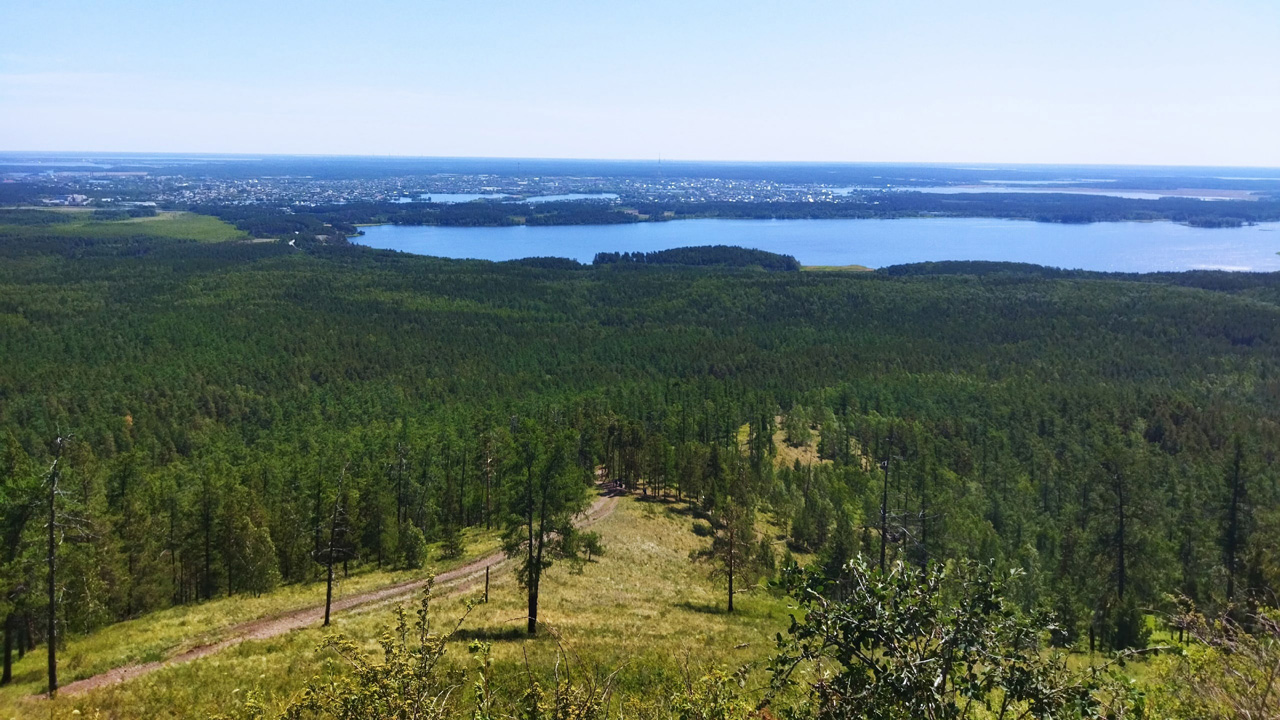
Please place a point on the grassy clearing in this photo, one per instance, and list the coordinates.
(175, 225)
(642, 609)
(169, 632)
(837, 268)
(788, 455)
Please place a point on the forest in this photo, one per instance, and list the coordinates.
(1055, 208)
(207, 420)
(718, 255)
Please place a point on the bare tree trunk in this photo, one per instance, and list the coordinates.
(328, 584)
(730, 563)
(400, 509)
(7, 676)
(924, 521)
(462, 485)
(1233, 527)
(488, 482)
(1121, 576)
(339, 508)
(208, 545)
(884, 515)
(52, 638)
(533, 608)
(29, 633)
(533, 572)
(328, 588)
(174, 579)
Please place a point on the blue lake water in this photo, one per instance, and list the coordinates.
(470, 197)
(571, 196)
(1062, 187)
(1118, 247)
(451, 197)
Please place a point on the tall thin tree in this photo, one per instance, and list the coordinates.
(547, 489)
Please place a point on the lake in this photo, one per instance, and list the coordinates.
(1062, 187)
(452, 198)
(1117, 247)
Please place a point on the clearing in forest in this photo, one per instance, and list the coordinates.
(176, 225)
(643, 608)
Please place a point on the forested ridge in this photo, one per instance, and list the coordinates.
(1113, 437)
(262, 221)
(714, 255)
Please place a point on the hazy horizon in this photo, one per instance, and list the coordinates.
(958, 164)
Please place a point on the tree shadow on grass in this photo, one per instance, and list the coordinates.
(491, 634)
(686, 509)
(704, 608)
(662, 500)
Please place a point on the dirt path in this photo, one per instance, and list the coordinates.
(447, 583)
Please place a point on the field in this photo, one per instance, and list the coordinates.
(642, 609)
(167, 224)
(837, 268)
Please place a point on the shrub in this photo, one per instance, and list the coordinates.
(1231, 669)
(452, 544)
(413, 547)
(942, 642)
(714, 696)
(1127, 627)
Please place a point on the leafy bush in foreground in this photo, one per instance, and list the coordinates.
(941, 642)
(1230, 670)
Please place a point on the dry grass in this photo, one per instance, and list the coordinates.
(837, 268)
(642, 609)
(169, 632)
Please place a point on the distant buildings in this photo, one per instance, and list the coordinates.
(68, 200)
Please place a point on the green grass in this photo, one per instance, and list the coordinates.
(168, 632)
(175, 225)
(837, 268)
(643, 609)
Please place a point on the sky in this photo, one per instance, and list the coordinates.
(1033, 81)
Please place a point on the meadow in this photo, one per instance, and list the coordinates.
(169, 224)
(642, 610)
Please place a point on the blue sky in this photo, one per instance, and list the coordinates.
(1123, 81)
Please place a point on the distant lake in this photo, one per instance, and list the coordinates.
(1117, 247)
(571, 196)
(1062, 187)
(451, 198)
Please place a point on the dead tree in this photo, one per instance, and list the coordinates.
(1233, 521)
(336, 548)
(58, 526)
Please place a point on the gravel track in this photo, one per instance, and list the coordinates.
(447, 583)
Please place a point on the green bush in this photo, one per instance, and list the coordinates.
(1127, 627)
(941, 642)
(413, 547)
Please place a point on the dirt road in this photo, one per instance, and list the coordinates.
(447, 583)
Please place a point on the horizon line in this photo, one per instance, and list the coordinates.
(958, 164)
